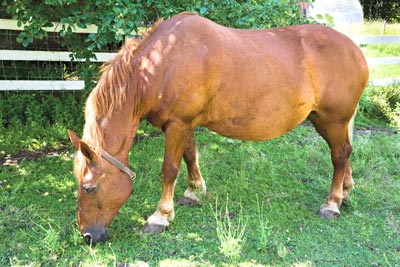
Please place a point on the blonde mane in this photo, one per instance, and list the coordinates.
(117, 77)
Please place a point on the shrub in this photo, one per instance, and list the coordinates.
(41, 109)
(382, 103)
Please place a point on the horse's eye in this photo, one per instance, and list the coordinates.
(89, 188)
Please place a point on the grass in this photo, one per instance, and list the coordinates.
(275, 186)
(370, 28)
(383, 50)
(375, 28)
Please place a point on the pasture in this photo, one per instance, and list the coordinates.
(260, 209)
(266, 193)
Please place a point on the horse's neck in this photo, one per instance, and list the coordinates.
(119, 133)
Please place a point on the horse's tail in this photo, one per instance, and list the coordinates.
(350, 127)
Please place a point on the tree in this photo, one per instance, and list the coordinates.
(388, 10)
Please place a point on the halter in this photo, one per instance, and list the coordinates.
(119, 165)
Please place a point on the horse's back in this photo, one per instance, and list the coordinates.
(257, 84)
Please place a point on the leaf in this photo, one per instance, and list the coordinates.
(203, 10)
(27, 41)
(81, 25)
(21, 37)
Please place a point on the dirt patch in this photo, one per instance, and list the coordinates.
(377, 130)
(13, 160)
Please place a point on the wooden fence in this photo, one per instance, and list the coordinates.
(26, 55)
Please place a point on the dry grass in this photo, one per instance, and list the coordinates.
(369, 28)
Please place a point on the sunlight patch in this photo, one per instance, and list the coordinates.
(184, 263)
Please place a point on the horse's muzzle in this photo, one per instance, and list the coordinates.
(94, 234)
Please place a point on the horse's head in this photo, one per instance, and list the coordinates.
(102, 189)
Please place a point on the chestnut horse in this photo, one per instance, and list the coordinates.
(247, 84)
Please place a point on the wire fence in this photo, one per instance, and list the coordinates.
(46, 64)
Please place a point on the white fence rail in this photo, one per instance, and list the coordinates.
(363, 40)
(56, 56)
(59, 56)
(29, 55)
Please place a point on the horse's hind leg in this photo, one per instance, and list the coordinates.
(336, 135)
(348, 183)
(196, 183)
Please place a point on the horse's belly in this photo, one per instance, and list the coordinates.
(256, 128)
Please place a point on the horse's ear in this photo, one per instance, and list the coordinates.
(74, 139)
(87, 151)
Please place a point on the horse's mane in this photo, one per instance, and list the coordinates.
(117, 76)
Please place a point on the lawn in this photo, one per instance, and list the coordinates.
(260, 209)
(268, 192)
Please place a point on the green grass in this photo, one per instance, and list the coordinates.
(375, 28)
(269, 190)
(385, 71)
(274, 188)
(383, 50)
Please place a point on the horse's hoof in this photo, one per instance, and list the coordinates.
(329, 211)
(185, 201)
(153, 228)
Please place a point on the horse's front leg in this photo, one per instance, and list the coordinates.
(196, 183)
(176, 139)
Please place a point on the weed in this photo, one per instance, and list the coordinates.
(229, 235)
(264, 229)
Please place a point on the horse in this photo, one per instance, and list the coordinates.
(188, 71)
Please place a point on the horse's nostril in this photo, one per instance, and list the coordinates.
(94, 234)
(88, 238)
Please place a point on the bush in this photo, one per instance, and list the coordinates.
(41, 109)
(36, 120)
(381, 103)
(253, 14)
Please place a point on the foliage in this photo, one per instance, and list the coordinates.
(120, 18)
(39, 120)
(41, 109)
(388, 10)
(290, 175)
(253, 14)
(382, 103)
